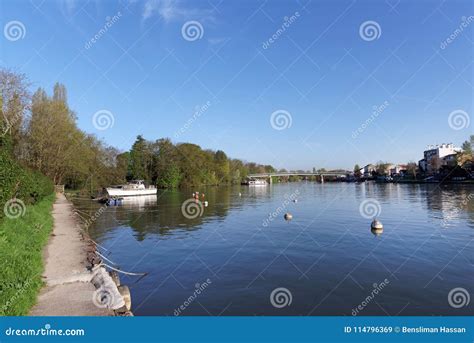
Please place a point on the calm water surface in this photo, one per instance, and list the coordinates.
(326, 257)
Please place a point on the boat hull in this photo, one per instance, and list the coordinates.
(117, 192)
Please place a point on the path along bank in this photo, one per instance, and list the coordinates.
(68, 290)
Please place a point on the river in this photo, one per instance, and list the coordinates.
(239, 256)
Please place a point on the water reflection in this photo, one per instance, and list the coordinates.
(327, 239)
(451, 203)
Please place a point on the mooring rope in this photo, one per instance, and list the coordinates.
(100, 246)
(105, 258)
(122, 271)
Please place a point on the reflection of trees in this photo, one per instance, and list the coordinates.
(162, 214)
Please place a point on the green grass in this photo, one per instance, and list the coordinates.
(21, 257)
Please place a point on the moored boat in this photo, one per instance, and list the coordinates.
(255, 182)
(131, 189)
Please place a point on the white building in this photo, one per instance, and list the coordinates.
(434, 156)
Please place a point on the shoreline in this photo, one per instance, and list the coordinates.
(67, 290)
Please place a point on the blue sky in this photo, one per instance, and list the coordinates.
(321, 69)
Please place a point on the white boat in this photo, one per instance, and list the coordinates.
(255, 182)
(133, 188)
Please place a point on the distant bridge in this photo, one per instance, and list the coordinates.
(278, 174)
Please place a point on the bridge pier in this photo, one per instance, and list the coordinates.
(270, 180)
(322, 178)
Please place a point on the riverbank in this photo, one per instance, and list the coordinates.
(22, 239)
(67, 290)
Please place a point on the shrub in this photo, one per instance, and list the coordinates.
(19, 182)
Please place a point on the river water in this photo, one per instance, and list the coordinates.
(239, 256)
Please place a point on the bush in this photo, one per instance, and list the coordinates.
(19, 182)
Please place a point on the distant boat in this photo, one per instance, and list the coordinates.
(252, 182)
(131, 189)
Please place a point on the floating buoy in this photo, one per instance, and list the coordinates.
(376, 225)
(295, 201)
(376, 232)
(288, 216)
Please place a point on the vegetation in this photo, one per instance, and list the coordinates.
(21, 247)
(357, 171)
(44, 137)
(465, 158)
(16, 181)
(169, 165)
(20, 183)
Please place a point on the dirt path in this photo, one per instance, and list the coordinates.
(67, 291)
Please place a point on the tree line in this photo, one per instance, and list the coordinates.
(44, 136)
(170, 165)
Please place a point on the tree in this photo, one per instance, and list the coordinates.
(140, 160)
(222, 166)
(412, 169)
(381, 168)
(465, 158)
(357, 172)
(434, 164)
(15, 104)
(468, 145)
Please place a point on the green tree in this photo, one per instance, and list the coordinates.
(357, 171)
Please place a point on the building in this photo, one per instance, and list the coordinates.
(437, 156)
(449, 160)
(398, 169)
(368, 169)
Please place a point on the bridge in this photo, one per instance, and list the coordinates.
(278, 174)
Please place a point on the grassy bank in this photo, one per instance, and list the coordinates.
(21, 250)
